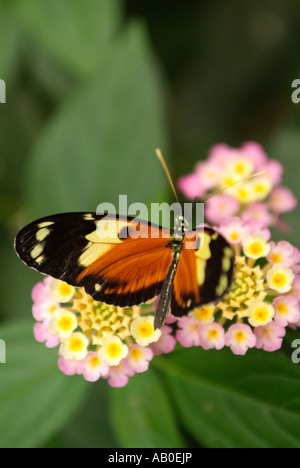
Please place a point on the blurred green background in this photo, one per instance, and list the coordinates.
(92, 89)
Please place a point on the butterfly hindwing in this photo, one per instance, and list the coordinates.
(117, 260)
(204, 273)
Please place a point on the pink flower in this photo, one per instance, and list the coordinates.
(170, 318)
(256, 226)
(287, 310)
(221, 207)
(281, 253)
(258, 211)
(296, 261)
(269, 337)
(188, 334)
(255, 153)
(234, 230)
(43, 335)
(139, 357)
(296, 255)
(275, 171)
(209, 174)
(44, 305)
(190, 186)
(212, 336)
(69, 366)
(39, 292)
(239, 338)
(92, 367)
(282, 200)
(166, 342)
(295, 291)
(118, 375)
(226, 165)
(44, 310)
(222, 155)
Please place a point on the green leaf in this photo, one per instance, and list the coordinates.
(142, 416)
(236, 402)
(91, 427)
(102, 142)
(14, 276)
(9, 41)
(36, 399)
(77, 33)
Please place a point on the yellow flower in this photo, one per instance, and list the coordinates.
(75, 347)
(142, 330)
(280, 278)
(112, 350)
(261, 187)
(63, 323)
(243, 192)
(260, 313)
(204, 314)
(255, 246)
(61, 292)
(242, 167)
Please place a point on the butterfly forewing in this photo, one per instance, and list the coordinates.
(130, 274)
(118, 260)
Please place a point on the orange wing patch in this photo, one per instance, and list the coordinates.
(204, 271)
(186, 288)
(129, 273)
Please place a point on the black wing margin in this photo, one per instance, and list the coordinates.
(52, 245)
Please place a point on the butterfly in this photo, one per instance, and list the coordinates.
(136, 262)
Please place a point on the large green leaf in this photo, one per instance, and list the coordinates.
(9, 39)
(142, 416)
(101, 143)
(230, 401)
(76, 33)
(91, 427)
(36, 399)
(15, 277)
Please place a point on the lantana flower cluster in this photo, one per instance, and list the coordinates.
(263, 300)
(94, 339)
(261, 198)
(97, 340)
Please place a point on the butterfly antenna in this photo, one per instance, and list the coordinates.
(163, 163)
(233, 183)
